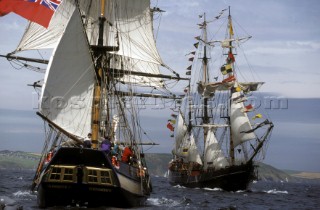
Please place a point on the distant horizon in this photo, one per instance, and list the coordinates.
(294, 144)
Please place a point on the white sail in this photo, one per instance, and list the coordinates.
(214, 157)
(128, 25)
(180, 131)
(37, 37)
(239, 122)
(193, 155)
(68, 87)
(188, 149)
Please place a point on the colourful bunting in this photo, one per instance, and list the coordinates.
(247, 108)
(191, 59)
(189, 68)
(197, 37)
(225, 69)
(170, 126)
(174, 115)
(229, 79)
(188, 73)
(191, 53)
(257, 116)
(230, 58)
(196, 45)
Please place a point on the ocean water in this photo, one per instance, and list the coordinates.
(262, 195)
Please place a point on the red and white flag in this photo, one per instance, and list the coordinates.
(38, 11)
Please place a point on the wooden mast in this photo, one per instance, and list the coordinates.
(95, 123)
(230, 74)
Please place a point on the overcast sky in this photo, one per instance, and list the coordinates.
(284, 51)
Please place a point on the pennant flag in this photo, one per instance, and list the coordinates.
(247, 108)
(191, 53)
(38, 11)
(188, 73)
(191, 59)
(230, 58)
(197, 37)
(196, 45)
(231, 29)
(238, 88)
(170, 126)
(200, 16)
(189, 68)
(239, 99)
(173, 121)
(172, 135)
(257, 116)
(229, 79)
(174, 115)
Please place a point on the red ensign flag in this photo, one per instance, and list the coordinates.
(38, 11)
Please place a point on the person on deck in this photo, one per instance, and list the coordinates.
(115, 149)
(127, 153)
(87, 141)
(106, 145)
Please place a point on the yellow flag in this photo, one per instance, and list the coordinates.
(238, 89)
(257, 116)
(231, 29)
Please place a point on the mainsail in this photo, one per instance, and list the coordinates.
(214, 156)
(128, 31)
(68, 87)
(240, 122)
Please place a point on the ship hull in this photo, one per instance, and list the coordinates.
(230, 179)
(87, 177)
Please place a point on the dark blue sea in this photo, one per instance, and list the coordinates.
(15, 184)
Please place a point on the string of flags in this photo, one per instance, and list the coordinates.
(171, 123)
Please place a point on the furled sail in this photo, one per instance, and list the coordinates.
(207, 90)
(214, 157)
(66, 97)
(239, 121)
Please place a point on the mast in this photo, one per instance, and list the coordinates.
(205, 77)
(95, 123)
(232, 89)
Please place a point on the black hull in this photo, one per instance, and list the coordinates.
(87, 177)
(230, 179)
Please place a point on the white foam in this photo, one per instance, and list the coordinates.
(275, 191)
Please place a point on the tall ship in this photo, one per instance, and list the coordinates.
(104, 64)
(220, 133)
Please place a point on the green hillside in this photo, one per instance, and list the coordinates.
(157, 164)
(18, 160)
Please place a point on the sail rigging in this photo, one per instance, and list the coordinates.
(104, 61)
(222, 127)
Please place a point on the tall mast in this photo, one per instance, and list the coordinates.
(205, 76)
(230, 74)
(95, 124)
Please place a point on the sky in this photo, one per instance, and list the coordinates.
(284, 51)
